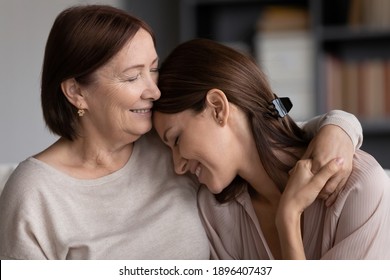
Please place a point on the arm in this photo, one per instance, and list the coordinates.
(346, 121)
(335, 134)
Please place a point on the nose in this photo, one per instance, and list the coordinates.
(151, 91)
(180, 163)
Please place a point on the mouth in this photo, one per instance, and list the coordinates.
(140, 111)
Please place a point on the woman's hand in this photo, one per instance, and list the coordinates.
(303, 186)
(329, 143)
(301, 190)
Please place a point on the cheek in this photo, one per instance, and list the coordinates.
(103, 98)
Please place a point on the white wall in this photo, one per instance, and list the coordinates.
(24, 27)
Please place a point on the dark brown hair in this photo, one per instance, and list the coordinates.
(196, 66)
(82, 39)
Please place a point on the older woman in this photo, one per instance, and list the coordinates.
(101, 191)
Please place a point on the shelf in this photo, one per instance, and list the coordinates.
(379, 127)
(224, 20)
(345, 33)
(354, 43)
(244, 2)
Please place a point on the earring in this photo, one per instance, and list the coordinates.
(220, 122)
(81, 111)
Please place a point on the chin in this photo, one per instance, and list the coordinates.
(139, 132)
(215, 189)
(146, 129)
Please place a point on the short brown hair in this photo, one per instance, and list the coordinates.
(196, 66)
(82, 39)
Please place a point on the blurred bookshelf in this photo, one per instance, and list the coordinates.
(323, 54)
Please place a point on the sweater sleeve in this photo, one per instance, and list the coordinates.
(346, 121)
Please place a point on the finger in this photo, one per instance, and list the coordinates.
(316, 165)
(327, 171)
(308, 153)
(301, 165)
(315, 162)
(330, 186)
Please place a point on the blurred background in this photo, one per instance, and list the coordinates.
(323, 54)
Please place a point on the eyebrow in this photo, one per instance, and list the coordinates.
(139, 65)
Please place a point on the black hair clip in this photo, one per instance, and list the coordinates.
(281, 106)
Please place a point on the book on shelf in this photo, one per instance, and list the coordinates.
(282, 18)
(369, 13)
(359, 87)
(351, 88)
(386, 80)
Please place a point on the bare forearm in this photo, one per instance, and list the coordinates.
(289, 230)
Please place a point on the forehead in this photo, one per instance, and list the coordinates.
(163, 121)
(138, 50)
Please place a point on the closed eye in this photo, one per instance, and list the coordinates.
(132, 79)
(176, 141)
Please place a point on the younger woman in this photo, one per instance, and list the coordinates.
(224, 124)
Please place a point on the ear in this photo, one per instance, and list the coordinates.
(217, 101)
(73, 93)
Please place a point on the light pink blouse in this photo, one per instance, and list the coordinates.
(356, 226)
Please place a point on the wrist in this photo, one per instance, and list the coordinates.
(287, 219)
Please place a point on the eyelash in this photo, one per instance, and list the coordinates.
(153, 70)
(176, 141)
(134, 78)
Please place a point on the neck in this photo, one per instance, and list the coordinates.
(96, 154)
(264, 187)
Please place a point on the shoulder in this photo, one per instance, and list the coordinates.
(367, 184)
(367, 174)
(26, 173)
(24, 182)
(152, 146)
(21, 191)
